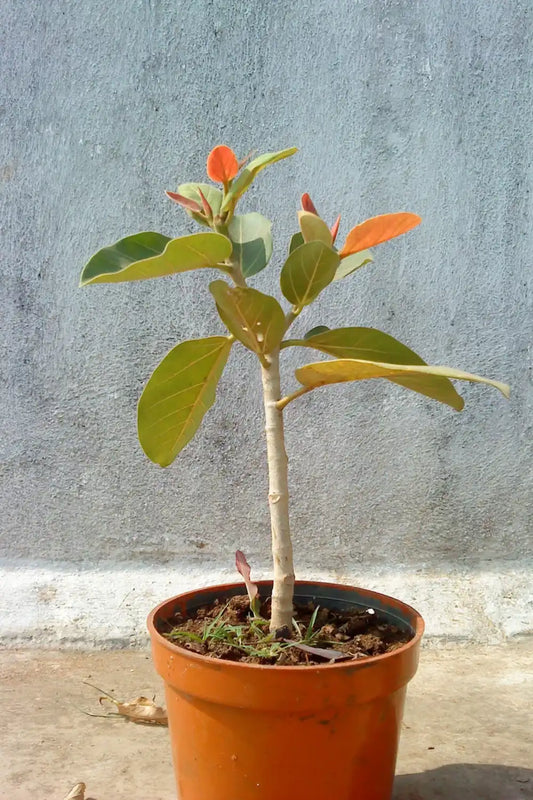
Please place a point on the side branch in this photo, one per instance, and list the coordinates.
(290, 397)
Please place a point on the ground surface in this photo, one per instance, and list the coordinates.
(468, 731)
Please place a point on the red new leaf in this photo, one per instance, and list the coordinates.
(222, 164)
(208, 211)
(186, 202)
(308, 205)
(335, 229)
(245, 570)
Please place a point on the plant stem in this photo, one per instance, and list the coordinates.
(278, 497)
(232, 267)
(237, 276)
(291, 316)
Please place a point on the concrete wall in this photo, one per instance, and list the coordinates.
(421, 105)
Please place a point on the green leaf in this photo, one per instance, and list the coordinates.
(213, 196)
(297, 240)
(370, 344)
(255, 319)
(308, 270)
(313, 228)
(352, 263)
(243, 181)
(180, 391)
(413, 377)
(315, 331)
(151, 255)
(252, 242)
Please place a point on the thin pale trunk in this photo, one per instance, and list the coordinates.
(278, 498)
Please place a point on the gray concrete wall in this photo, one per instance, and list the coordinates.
(399, 104)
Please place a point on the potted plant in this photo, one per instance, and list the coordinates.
(296, 690)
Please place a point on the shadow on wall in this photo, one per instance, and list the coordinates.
(466, 782)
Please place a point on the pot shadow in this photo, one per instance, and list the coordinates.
(466, 782)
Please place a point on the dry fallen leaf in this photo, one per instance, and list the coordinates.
(77, 792)
(329, 655)
(141, 709)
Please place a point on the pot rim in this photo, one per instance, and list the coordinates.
(419, 627)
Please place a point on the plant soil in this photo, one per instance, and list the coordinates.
(226, 630)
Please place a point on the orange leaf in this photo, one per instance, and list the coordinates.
(222, 164)
(378, 229)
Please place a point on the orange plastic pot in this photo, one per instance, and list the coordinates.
(243, 731)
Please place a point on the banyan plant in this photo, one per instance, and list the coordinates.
(183, 387)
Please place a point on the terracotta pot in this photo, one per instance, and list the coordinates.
(243, 731)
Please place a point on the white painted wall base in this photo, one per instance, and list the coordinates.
(105, 608)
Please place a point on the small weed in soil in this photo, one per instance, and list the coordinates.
(228, 630)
